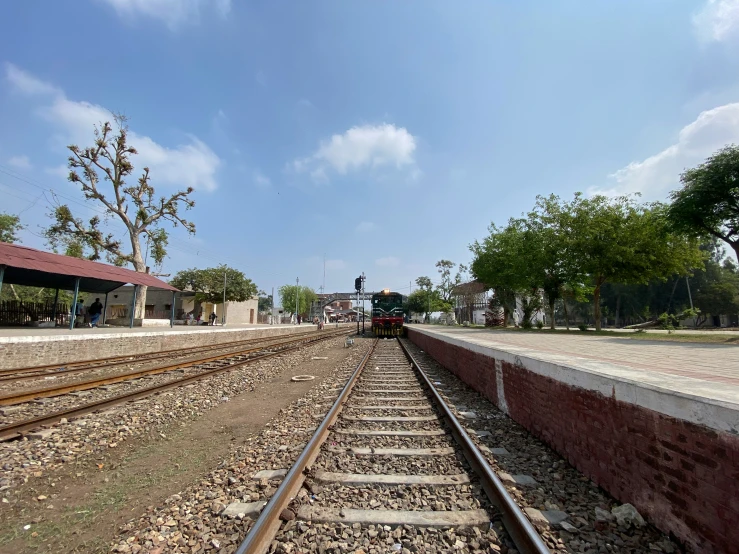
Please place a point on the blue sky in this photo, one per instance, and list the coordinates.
(383, 135)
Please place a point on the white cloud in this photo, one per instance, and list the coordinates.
(261, 180)
(20, 162)
(390, 261)
(174, 13)
(718, 20)
(61, 171)
(660, 173)
(361, 147)
(365, 227)
(192, 164)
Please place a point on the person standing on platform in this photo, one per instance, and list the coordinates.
(79, 313)
(96, 308)
(213, 318)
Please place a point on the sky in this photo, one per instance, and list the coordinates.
(374, 137)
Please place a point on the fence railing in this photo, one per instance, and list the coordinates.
(18, 312)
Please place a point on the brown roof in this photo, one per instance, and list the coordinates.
(36, 268)
(472, 287)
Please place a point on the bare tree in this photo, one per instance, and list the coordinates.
(134, 204)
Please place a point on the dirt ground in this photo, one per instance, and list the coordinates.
(86, 502)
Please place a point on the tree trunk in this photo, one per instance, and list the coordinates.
(596, 307)
(506, 314)
(140, 266)
(618, 307)
(551, 311)
(567, 313)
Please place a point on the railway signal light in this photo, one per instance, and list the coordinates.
(358, 284)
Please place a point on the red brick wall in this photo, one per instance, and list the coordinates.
(683, 477)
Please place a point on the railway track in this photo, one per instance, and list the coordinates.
(216, 364)
(74, 367)
(390, 453)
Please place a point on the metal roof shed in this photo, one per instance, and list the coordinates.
(20, 265)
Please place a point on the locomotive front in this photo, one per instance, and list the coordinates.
(387, 314)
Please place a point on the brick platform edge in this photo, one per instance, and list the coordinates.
(36, 351)
(681, 475)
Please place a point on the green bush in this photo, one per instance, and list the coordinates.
(582, 327)
(540, 324)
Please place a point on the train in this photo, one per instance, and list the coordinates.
(387, 314)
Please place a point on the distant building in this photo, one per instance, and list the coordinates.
(159, 307)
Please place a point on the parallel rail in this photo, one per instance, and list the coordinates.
(264, 530)
(25, 396)
(67, 368)
(15, 430)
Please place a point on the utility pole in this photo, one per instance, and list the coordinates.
(223, 317)
(297, 298)
(323, 286)
(273, 306)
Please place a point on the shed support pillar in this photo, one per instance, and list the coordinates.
(171, 312)
(105, 308)
(2, 274)
(133, 304)
(73, 315)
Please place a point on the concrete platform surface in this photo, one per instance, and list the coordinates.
(703, 370)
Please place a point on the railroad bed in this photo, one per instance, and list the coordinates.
(395, 461)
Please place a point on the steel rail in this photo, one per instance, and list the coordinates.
(127, 360)
(523, 533)
(25, 396)
(260, 536)
(13, 430)
(104, 363)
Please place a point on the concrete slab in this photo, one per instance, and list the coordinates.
(413, 418)
(420, 452)
(391, 479)
(243, 509)
(42, 434)
(468, 415)
(520, 480)
(397, 408)
(270, 474)
(394, 517)
(383, 433)
(499, 452)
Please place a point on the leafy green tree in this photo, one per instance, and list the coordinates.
(10, 225)
(289, 295)
(448, 283)
(208, 284)
(426, 301)
(617, 240)
(135, 205)
(708, 202)
(265, 302)
(499, 262)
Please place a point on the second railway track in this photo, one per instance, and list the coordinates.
(389, 454)
(206, 367)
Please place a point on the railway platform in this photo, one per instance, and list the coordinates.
(654, 423)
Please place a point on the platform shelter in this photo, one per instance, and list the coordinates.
(20, 265)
